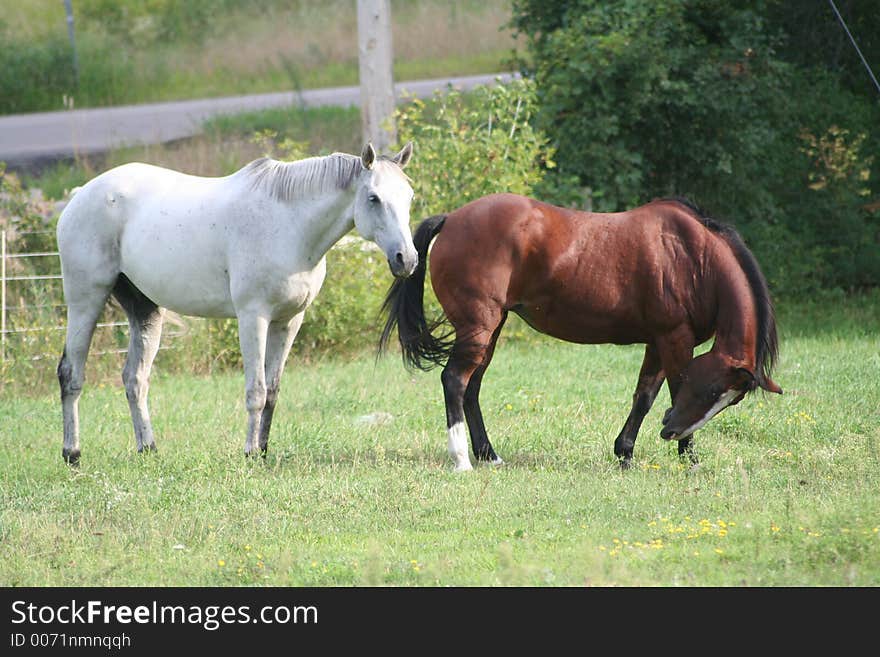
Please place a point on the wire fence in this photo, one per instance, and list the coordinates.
(29, 313)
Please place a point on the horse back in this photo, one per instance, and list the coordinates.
(583, 277)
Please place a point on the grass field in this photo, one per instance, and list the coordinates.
(786, 493)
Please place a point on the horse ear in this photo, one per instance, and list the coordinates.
(368, 156)
(770, 385)
(764, 382)
(404, 156)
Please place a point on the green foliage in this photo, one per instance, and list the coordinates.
(143, 23)
(692, 97)
(327, 128)
(37, 75)
(467, 146)
(812, 38)
(33, 74)
(25, 215)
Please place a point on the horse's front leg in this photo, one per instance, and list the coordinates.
(281, 336)
(676, 351)
(252, 336)
(650, 379)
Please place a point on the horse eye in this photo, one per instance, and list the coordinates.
(372, 198)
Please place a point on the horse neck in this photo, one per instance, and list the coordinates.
(736, 328)
(324, 220)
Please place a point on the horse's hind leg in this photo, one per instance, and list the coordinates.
(82, 316)
(280, 339)
(479, 438)
(145, 332)
(650, 379)
(455, 378)
(468, 354)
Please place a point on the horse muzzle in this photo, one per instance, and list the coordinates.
(403, 266)
(668, 433)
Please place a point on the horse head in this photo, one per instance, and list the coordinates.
(381, 208)
(709, 384)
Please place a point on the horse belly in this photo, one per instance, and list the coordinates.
(582, 324)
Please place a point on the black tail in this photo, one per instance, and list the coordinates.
(405, 306)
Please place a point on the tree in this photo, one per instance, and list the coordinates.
(711, 100)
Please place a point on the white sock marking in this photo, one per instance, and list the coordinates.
(458, 447)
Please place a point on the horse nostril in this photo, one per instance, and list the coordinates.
(399, 258)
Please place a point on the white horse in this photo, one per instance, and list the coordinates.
(251, 245)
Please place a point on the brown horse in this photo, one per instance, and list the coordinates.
(662, 275)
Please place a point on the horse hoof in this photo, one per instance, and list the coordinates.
(489, 459)
(70, 456)
(148, 449)
(463, 467)
(626, 463)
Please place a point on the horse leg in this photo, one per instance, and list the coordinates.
(252, 336)
(473, 414)
(686, 449)
(82, 316)
(676, 351)
(468, 354)
(650, 379)
(145, 332)
(280, 339)
(685, 445)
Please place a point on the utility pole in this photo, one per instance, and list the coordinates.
(375, 57)
(68, 9)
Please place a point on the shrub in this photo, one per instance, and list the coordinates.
(470, 145)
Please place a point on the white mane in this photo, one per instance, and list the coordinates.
(287, 181)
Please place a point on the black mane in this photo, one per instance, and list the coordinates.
(768, 341)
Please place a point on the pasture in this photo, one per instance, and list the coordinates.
(357, 488)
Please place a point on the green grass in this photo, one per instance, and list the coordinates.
(786, 494)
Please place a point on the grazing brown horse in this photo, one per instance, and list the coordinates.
(662, 275)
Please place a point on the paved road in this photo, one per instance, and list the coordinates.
(29, 138)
